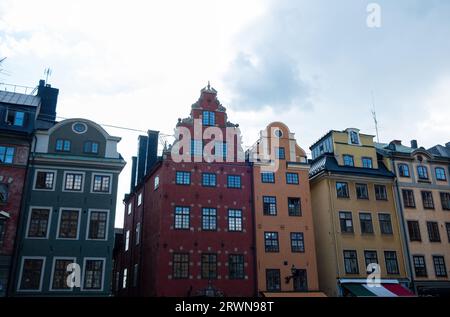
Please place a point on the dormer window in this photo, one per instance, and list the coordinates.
(354, 137)
(62, 145)
(422, 171)
(348, 160)
(91, 147)
(15, 118)
(209, 118)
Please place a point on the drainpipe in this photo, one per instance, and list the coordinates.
(253, 215)
(20, 220)
(403, 226)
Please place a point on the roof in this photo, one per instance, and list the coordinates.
(328, 163)
(19, 99)
(440, 150)
(392, 147)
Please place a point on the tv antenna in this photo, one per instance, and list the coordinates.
(47, 73)
(374, 116)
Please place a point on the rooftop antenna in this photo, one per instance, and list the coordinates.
(47, 73)
(374, 116)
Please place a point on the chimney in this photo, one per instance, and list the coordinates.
(414, 144)
(133, 173)
(49, 100)
(447, 145)
(152, 150)
(141, 158)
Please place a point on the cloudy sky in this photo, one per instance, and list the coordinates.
(312, 64)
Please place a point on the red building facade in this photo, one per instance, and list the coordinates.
(188, 228)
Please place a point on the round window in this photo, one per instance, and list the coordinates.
(79, 127)
(278, 133)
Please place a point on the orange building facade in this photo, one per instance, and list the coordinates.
(285, 247)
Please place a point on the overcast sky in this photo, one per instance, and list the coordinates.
(310, 64)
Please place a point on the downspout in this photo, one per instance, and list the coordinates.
(20, 220)
(403, 230)
(255, 265)
(141, 240)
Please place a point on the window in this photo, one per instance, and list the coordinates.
(236, 266)
(414, 231)
(351, 262)
(342, 190)
(62, 145)
(38, 223)
(2, 230)
(273, 280)
(362, 191)
(270, 205)
(182, 217)
(68, 224)
(44, 180)
(427, 200)
(101, 183)
(220, 150)
(135, 274)
(420, 267)
(127, 240)
(209, 179)
(294, 207)
(139, 201)
(370, 257)
(292, 178)
(234, 220)
(300, 280)
(408, 198)
(422, 171)
(365, 220)
(183, 178)
(180, 265)
(15, 118)
(403, 170)
(367, 162)
(60, 274)
(380, 192)
(280, 153)
(98, 221)
(138, 233)
(447, 228)
(271, 241)
(6, 154)
(345, 218)
(130, 208)
(209, 219)
(79, 127)
(439, 266)
(433, 231)
(440, 174)
(297, 242)
(348, 160)
(90, 147)
(385, 223)
(31, 278)
(73, 182)
(3, 193)
(209, 266)
(197, 148)
(208, 118)
(354, 138)
(391, 262)
(93, 275)
(125, 278)
(267, 177)
(234, 181)
(445, 201)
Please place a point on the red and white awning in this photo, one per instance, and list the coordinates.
(386, 288)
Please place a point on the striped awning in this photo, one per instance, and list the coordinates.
(362, 289)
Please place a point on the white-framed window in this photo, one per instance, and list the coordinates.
(98, 224)
(139, 202)
(130, 208)
(125, 277)
(101, 183)
(156, 182)
(93, 274)
(127, 240)
(58, 281)
(69, 223)
(44, 180)
(31, 274)
(353, 137)
(39, 220)
(73, 181)
(138, 233)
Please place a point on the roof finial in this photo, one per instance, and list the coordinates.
(209, 86)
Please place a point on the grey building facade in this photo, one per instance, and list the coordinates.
(66, 234)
